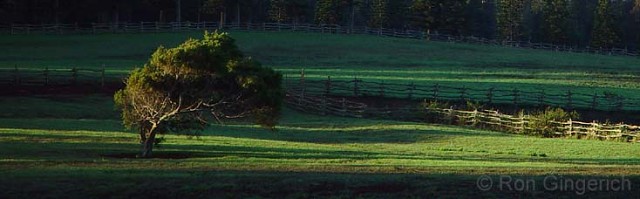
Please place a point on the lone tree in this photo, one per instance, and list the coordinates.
(181, 90)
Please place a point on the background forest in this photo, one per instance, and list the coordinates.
(595, 23)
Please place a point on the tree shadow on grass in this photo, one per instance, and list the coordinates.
(96, 183)
(343, 135)
(93, 150)
(62, 124)
(88, 151)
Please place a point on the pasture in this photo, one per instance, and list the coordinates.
(85, 153)
(345, 57)
(74, 146)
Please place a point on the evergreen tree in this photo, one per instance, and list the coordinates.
(581, 21)
(555, 21)
(399, 13)
(440, 15)
(509, 18)
(476, 16)
(379, 17)
(278, 11)
(327, 12)
(604, 34)
(181, 90)
(287, 10)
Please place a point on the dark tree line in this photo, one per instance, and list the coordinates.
(598, 23)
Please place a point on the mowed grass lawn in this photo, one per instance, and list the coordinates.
(71, 155)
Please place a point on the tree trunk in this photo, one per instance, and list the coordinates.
(353, 17)
(148, 140)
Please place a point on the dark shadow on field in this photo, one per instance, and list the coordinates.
(199, 183)
(348, 134)
(62, 124)
(64, 147)
(58, 147)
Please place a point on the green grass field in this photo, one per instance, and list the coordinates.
(70, 155)
(343, 57)
(69, 146)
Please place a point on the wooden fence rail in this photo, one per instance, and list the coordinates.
(154, 27)
(518, 124)
(51, 77)
(569, 99)
(483, 119)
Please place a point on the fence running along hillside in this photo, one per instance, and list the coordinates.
(155, 27)
(51, 77)
(494, 120)
(605, 101)
(482, 119)
(324, 105)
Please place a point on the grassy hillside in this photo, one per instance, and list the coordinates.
(63, 155)
(370, 58)
(73, 146)
(285, 49)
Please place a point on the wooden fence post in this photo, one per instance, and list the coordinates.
(474, 120)
(463, 91)
(570, 127)
(522, 124)
(356, 90)
(435, 91)
(327, 86)
(594, 129)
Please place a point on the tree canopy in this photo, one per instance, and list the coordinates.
(180, 90)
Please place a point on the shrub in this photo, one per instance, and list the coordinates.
(545, 123)
(431, 111)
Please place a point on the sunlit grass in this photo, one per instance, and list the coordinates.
(63, 147)
(303, 141)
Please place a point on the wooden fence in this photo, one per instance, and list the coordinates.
(482, 119)
(568, 99)
(494, 120)
(324, 105)
(154, 27)
(51, 77)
